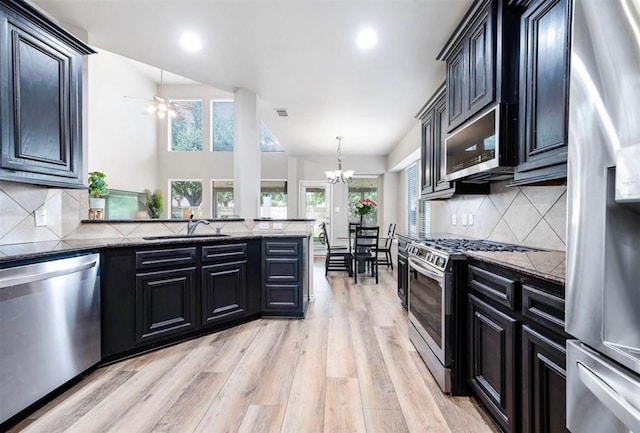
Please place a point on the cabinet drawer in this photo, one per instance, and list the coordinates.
(166, 257)
(544, 308)
(494, 286)
(278, 270)
(282, 297)
(212, 253)
(280, 248)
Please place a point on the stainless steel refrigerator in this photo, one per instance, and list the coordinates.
(603, 239)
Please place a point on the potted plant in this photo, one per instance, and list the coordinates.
(154, 203)
(98, 188)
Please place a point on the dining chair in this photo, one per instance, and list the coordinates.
(364, 250)
(338, 257)
(386, 248)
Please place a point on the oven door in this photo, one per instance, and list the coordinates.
(430, 307)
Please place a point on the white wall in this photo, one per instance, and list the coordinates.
(407, 150)
(121, 141)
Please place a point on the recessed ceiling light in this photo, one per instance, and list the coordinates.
(367, 38)
(191, 42)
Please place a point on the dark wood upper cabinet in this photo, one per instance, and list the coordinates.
(470, 58)
(40, 104)
(481, 63)
(456, 84)
(544, 91)
(426, 152)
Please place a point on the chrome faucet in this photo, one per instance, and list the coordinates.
(192, 224)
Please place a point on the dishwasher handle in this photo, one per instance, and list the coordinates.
(26, 274)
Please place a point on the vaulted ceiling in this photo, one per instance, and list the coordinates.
(295, 54)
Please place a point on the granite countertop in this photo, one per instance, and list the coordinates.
(547, 265)
(35, 250)
(156, 220)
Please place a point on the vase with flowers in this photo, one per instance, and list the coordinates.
(364, 207)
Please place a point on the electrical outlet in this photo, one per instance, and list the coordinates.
(263, 226)
(470, 219)
(464, 219)
(40, 216)
(278, 226)
(453, 219)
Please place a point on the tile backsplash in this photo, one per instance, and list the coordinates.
(65, 208)
(532, 215)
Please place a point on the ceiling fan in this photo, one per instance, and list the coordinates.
(164, 107)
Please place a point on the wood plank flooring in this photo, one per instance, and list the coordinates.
(348, 367)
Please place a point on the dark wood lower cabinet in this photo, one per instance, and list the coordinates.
(285, 288)
(224, 291)
(492, 349)
(165, 303)
(544, 380)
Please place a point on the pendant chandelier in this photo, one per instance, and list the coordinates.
(338, 175)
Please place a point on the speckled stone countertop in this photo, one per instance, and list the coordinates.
(547, 265)
(36, 250)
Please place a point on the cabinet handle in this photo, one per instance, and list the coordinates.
(614, 399)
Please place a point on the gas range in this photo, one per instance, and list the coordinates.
(438, 251)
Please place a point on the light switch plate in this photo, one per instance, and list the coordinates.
(263, 226)
(40, 216)
(470, 219)
(453, 219)
(464, 219)
(278, 226)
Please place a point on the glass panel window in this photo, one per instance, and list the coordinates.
(222, 121)
(186, 198)
(363, 188)
(268, 141)
(424, 225)
(124, 205)
(273, 199)
(222, 198)
(411, 175)
(186, 127)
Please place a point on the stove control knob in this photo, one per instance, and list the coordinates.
(441, 261)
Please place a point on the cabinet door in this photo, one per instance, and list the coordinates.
(544, 89)
(426, 160)
(165, 303)
(492, 339)
(544, 383)
(481, 64)
(224, 291)
(40, 79)
(456, 87)
(439, 151)
(403, 279)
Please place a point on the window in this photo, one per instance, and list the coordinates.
(186, 128)
(273, 199)
(268, 141)
(424, 225)
(359, 189)
(411, 175)
(186, 198)
(222, 198)
(222, 126)
(123, 205)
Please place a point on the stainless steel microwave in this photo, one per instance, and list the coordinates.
(475, 148)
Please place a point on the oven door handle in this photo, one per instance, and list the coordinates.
(435, 275)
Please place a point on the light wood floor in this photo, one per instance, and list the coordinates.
(348, 367)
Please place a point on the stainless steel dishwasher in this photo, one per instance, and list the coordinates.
(49, 327)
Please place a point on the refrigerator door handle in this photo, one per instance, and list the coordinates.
(611, 397)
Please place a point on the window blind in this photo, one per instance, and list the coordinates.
(412, 199)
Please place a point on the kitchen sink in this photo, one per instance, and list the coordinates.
(158, 238)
